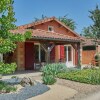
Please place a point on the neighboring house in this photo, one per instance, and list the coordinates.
(51, 42)
(89, 48)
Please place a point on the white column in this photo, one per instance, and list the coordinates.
(72, 55)
(67, 53)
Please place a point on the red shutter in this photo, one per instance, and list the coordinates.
(29, 56)
(61, 52)
(52, 55)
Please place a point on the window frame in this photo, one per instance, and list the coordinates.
(51, 28)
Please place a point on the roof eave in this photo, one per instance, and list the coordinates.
(55, 39)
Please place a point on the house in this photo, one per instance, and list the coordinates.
(51, 42)
(90, 47)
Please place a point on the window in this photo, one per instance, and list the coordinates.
(50, 28)
(89, 48)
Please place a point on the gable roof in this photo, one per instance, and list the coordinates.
(39, 34)
(47, 20)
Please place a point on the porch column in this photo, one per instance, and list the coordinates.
(48, 55)
(78, 51)
(39, 53)
(21, 56)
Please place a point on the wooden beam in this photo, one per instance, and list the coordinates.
(47, 48)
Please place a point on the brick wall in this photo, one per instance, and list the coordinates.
(21, 56)
(88, 56)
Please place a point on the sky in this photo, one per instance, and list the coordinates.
(78, 10)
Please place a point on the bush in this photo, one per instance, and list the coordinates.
(7, 68)
(54, 69)
(97, 56)
(49, 79)
(90, 76)
(50, 71)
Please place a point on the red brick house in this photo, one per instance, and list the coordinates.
(51, 42)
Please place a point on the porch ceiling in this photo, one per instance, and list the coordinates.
(39, 34)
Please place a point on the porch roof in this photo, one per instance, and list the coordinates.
(39, 34)
(90, 42)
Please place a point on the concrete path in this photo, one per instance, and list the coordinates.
(22, 74)
(95, 96)
(56, 92)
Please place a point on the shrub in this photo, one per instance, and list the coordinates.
(7, 68)
(49, 79)
(90, 76)
(97, 56)
(51, 70)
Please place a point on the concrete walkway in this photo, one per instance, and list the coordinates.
(22, 74)
(56, 92)
(95, 96)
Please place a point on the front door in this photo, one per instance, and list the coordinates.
(29, 56)
(69, 56)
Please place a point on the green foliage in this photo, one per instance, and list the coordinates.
(68, 22)
(6, 45)
(90, 76)
(49, 79)
(7, 20)
(97, 56)
(93, 31)
(7, 68)
(51, 70)
(5, 88)
(7, 38)
(42, 17)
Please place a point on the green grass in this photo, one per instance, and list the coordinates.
(89, 76)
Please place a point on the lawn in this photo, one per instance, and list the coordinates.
(89, 76)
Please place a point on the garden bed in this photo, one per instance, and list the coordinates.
(89, 76)
(25, 92)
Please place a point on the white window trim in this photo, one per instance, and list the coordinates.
(39, 51)
(51, 27)
(72, 53)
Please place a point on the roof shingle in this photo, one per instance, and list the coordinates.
(42, 34)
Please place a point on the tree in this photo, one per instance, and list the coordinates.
(42, 17)
(94, 29)
(7, 39)
(68, 22)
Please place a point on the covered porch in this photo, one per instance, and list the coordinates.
(48, 47)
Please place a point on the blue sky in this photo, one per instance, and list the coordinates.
(27, 10)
